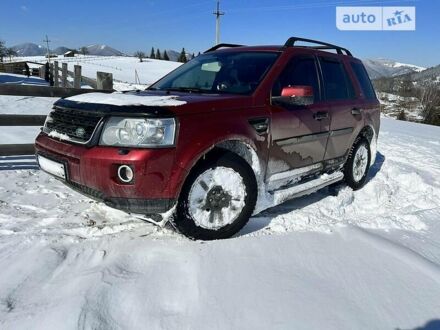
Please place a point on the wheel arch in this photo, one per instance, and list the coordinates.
(370, 135)
(240, 147)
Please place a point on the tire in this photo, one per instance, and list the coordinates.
(358, 164)
(221, 206)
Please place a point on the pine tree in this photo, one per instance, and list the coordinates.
(158, 56)
(165, 56)
(182, 57)
(152, 55)
(192, 56)
(198, 54)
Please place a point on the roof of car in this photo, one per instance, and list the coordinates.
(291, 43)
(276, 48)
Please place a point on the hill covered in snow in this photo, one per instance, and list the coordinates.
(31, 49)
(378, 68)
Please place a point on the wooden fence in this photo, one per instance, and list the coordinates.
(19, 120)
(61, 75)
(66, 83)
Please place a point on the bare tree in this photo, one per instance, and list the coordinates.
(10, 52)
(140, 55)
(2, 50)
(430, 100)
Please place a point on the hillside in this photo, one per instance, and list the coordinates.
(29, 49)
(379, 68)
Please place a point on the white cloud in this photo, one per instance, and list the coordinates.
(23, 8)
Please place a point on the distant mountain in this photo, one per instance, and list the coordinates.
(173, 55)
(379, 68)
(430, 75)
(103, 50)
(29, 49)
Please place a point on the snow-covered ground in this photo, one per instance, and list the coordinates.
(126, 70)
(337, 259)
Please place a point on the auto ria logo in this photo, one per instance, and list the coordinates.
(376, 18)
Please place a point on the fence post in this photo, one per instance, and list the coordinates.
(64, 75)
(104, 80)
(77, 76)
(56, 74)
(51, 74)
(42, 71)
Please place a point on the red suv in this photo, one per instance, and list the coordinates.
(224, 136)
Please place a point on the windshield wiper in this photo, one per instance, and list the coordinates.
(186, 89)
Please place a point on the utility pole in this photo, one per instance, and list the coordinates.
(47, 46)
(217, 14)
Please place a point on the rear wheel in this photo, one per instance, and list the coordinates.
(217, 199)
(358, 164)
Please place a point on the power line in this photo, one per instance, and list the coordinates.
(47, 46)
(217, 14)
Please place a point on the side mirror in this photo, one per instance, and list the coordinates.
(295, 95)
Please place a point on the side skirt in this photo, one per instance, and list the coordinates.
(306, 188)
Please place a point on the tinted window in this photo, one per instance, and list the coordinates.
(364, 80)
(337, 85)
(222, 72)
(298, 72)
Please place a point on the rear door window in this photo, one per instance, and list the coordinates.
(337, 84)
(364, 80)
(299, 72)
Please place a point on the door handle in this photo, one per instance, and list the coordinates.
(356, 111)
(320, 115)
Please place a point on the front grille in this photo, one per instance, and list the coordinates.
(76, 124)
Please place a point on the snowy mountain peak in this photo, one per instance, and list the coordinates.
(103, 50)
(382, 67)
(29, 49)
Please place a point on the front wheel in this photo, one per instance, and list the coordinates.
(217, 199)
(358, 164)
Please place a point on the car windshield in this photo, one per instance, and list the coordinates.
(223, 72)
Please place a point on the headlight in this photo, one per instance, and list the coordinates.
(138, 132)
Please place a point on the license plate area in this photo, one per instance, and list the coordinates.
(52, 167)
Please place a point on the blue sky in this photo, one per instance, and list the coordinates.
(132, 25)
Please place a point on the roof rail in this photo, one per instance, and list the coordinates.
(218, 46)
(323, 45)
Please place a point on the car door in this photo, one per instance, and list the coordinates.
(340, 94)
(298, 133)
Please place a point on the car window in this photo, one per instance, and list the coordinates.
(337, 85)
(364, 80)
(223, 72)
(300, 71)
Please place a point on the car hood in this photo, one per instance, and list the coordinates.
(154, 102)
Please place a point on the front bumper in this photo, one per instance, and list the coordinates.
(93, 172)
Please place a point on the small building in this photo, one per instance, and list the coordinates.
(70, 53)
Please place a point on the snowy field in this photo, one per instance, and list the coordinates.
(336, 259)
(123, 68)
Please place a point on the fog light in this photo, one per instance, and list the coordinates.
(125, 173)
